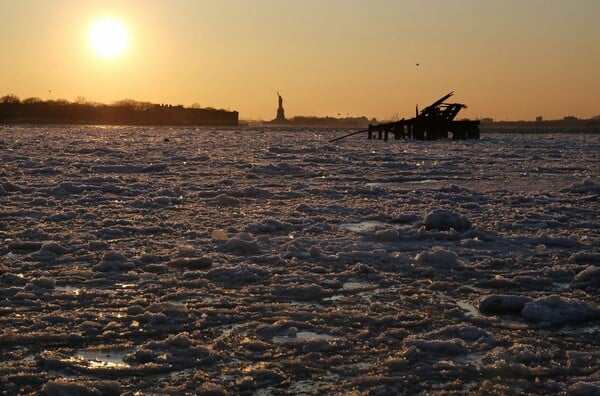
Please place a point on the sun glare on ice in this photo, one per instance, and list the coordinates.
(108, 38)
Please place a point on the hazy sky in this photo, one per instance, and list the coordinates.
(506, 59)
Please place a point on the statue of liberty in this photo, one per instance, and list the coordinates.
(280, 111)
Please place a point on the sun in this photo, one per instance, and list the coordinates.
(108, 38)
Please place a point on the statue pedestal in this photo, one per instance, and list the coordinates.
(280, 115)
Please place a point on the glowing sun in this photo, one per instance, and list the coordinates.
(108, 38)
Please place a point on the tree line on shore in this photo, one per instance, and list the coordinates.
(126, 112)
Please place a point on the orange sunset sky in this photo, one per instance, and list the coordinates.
(505, 59)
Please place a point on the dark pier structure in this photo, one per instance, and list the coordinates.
(435, 121)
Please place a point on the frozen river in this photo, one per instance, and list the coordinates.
(268, 261)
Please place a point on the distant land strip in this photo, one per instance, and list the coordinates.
(566, 125)
(124, 112)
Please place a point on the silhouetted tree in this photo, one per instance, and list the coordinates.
(10, 98)
(125, 111)
(32, 100)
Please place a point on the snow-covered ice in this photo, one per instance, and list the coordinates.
(269, 261)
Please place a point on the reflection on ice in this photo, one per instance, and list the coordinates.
(356, 285)
(10, 256)
(470, 309)
(104, 359)
(370, 225)
(363, 226)
(409, 182)
(304, 336)
(68, 289)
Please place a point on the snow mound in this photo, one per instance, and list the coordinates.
(223, 200)
(584, 389)
(555, 310)
(192, 263)
(250, 192)
(44, 283)
(177, 351)
(588, 278)
(439, 258)
(388, 235)
(443, 220)
(585, 258)
(462, 331)
(241, 246)
(112, 262)
(169, 308)
(268, 226)
(52, 248)
(585, 187)
(237, 275)
(61, 387)
(455, 346)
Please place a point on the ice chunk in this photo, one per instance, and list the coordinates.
(113, 256)
(443, 220)
(502, 304)
(388, 235)
(238, 274)
(223, 200)
(584, 389)
(555, 310)
(61, 387)
(439, 258)
(44, 283)
(113, 261)
(194, 263)
(218, 235)
(241, 246)
(454, 346)
(169, 308)
(588, 278)
(52, 248)
(268, 226)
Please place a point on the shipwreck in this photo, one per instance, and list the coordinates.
(436, 121)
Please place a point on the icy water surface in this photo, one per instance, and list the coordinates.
(266, 261)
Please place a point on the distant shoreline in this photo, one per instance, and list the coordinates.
(126, 112)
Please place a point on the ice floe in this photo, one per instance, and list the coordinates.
(267, 261)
